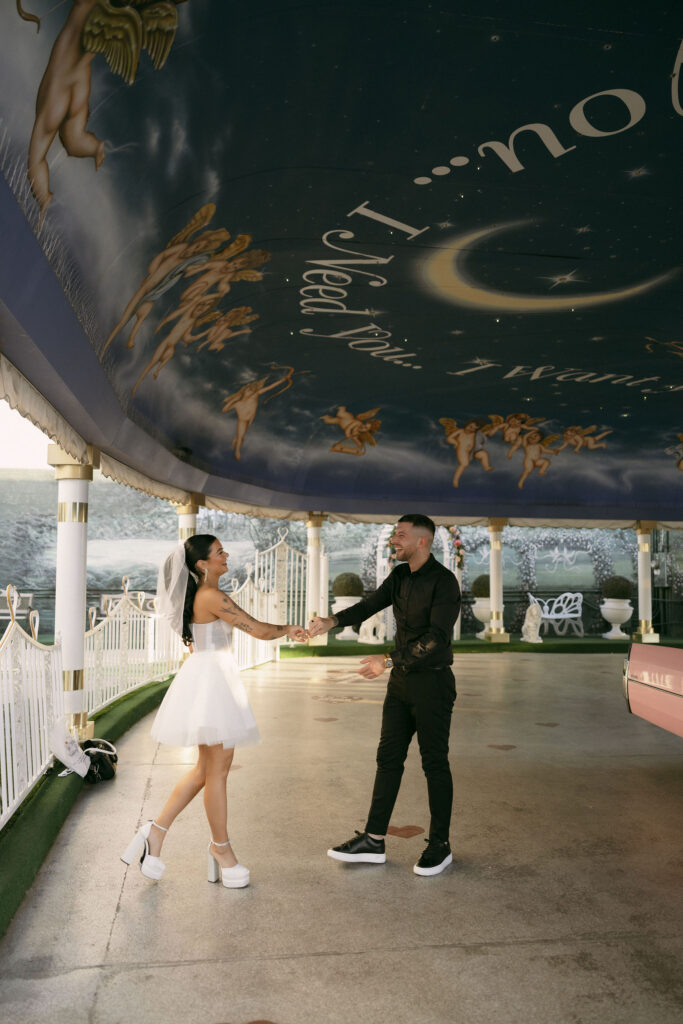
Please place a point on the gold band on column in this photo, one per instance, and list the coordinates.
(645, 634)
(72, 512)
(186, 531)
(644, 547)
(72, 679)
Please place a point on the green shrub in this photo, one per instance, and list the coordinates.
(481, 587)
(347, 584)
(617, 586)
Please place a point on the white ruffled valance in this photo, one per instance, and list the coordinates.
(122, 474)
(22, 396)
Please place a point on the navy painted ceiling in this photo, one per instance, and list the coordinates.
(357, 256)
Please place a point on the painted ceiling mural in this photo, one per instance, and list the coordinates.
(359, 256)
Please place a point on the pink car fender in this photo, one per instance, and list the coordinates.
(653, 685)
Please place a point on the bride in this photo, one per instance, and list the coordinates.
(206, 704)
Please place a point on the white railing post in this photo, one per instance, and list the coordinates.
(70, 591)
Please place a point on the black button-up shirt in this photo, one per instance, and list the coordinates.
(426, 605)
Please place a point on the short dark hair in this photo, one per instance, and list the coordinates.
(418, 520)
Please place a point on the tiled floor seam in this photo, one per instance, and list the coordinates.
(467, 947)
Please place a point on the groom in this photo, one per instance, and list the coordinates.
(426, 601)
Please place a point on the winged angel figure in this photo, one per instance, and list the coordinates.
(358, 430)
(120, 31)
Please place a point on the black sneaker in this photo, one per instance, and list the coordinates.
(362, 849)
(434, 859)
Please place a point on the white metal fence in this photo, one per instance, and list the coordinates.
(128, 648)
(281, 570)
(262, 605)
(30, 700)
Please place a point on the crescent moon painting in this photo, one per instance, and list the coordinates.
(445, 275)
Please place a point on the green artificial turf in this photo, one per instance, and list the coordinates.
(470, 645)
(28, 835)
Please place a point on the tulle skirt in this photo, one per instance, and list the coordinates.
(206, 703)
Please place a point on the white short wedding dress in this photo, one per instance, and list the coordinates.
(207, 702)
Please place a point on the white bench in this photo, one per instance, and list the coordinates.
(22, 605)
(560, 612)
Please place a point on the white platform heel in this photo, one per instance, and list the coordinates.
(232, 878)
(138, 848)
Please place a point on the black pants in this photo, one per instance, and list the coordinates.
(421, 702)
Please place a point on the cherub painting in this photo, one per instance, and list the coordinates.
(581, 437)
(358, 430)
(675, 347)
(120, 32)
(187, 317)
(512, 427)
(468, 442)
(182, 255)
(244, 403)
(677, 450)
(536, 452)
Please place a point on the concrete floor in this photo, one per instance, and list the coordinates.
(563, 905)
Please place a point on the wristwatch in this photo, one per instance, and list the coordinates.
(388, 663)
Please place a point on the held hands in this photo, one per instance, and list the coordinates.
(297, 633)
(372, 666)
(317, 626)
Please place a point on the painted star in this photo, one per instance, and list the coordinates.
(445, 224)
(456, 332)
(583, 230)
(637, 172)
(563, 279)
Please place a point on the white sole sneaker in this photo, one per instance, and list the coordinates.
(436, 869)
(360, 858)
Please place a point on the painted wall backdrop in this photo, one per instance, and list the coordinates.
(130, 533)
(358, 256)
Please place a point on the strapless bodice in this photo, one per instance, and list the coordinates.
(212, 636)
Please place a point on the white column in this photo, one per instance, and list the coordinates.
(187, 516)
(324, 582)
(458, 625)
(495, 632)
(645, 634)
(73, 479)
(313, 574)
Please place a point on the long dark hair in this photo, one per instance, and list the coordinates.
(196, 550)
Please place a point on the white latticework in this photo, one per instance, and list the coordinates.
(31, 700)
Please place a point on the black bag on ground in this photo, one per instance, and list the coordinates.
(103, 758)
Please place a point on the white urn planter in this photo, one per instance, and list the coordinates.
(340, 603)
(616, 611)
(481, 609)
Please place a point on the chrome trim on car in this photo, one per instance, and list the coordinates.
(624, 683)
